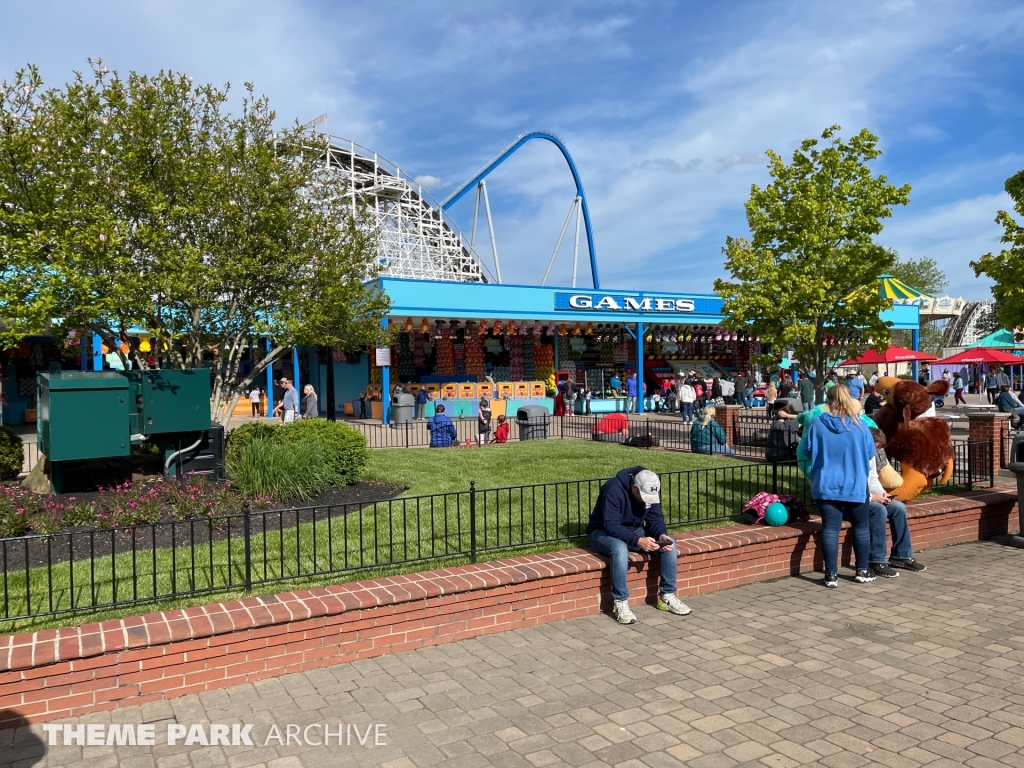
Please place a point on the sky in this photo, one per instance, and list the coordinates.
(666, 107)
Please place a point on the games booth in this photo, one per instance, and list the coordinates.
(451, 336)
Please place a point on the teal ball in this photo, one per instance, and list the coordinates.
(776, 514)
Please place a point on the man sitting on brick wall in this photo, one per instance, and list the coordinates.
(885, 508)
(628, 517)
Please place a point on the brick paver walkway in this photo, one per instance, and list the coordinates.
(924, 669)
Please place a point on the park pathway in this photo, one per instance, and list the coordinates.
(925, 669)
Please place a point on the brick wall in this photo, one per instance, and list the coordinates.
(995, 427)
(726, 415)
(69, 672)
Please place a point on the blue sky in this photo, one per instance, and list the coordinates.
(666, 107)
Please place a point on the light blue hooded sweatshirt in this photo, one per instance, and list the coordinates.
(839, 452)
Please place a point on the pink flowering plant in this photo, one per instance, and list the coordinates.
(124, 505)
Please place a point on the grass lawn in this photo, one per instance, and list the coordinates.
(428, 527)
(432, 470)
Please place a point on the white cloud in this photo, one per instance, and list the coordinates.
(428, 182)
(953, 235)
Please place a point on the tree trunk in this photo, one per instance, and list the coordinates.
(332, 414)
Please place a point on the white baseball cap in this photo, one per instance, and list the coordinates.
(649, 486)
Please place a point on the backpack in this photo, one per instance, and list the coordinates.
(698, 390)
(753, 511)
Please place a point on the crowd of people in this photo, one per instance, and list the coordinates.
(841, 452)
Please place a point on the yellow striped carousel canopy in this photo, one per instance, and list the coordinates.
(893, 288)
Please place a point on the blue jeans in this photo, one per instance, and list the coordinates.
(748, 398)
(604, 543)
(896, 513)
(808, 406)
(630, 404)
(832, 515)
(686, 411)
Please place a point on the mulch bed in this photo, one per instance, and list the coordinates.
(84, 543)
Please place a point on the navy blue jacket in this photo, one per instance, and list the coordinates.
(620, 513)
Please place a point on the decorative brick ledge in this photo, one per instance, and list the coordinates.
(100, 666)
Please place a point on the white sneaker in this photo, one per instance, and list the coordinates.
(673, 604)
(622, 614)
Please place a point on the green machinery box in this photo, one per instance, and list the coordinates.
(99, 414)
(170, 400)
(83, 415)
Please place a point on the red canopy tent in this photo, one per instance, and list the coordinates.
(891, 355)
(978, 355)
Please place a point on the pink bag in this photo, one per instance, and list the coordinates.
(753, 511)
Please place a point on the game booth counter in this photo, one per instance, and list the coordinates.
(456, 338)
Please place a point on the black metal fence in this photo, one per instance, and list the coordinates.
(100, 569)
(748, 433)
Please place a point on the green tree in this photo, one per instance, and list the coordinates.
(1006, 268)
(925, 275)
(807, 278)
(141, 201)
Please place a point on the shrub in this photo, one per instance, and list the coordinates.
(286, 472)
(239, 438)
(343, 447)
(12, 453)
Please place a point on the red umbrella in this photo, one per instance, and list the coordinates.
(891, 355)
(977, 355)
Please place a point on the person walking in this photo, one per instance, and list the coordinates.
(687, 396)
(627, 517)
(991, 386)
(631, 394)
(807, 393)
(855, 384)
(671, 398)
(771, 395)
(309, 407)
(289, 405)
(839, 449)
(958, 390)
(256, 401)
(747, 381)
(588, 395)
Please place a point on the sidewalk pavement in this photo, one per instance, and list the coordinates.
(924, 669)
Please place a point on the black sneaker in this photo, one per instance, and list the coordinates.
(831, 580)
(883, 570)
(909, 564)
(864, 577)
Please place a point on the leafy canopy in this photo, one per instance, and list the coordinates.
(1006, 268)
(807, 278)
(141, 201)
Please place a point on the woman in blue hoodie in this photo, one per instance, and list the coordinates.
(839, 449)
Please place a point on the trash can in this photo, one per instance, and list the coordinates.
(533, 422)
(1016, 465)
(402, 407)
